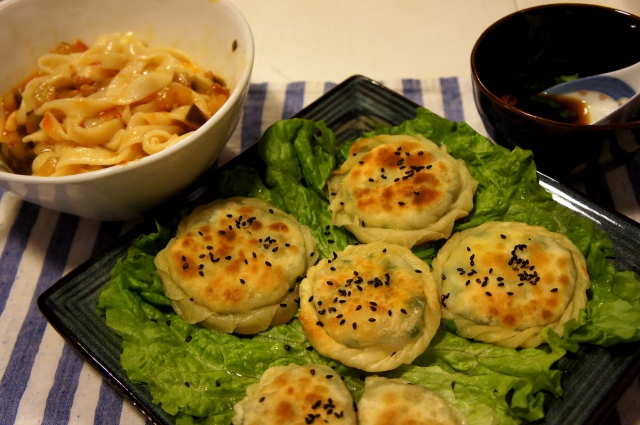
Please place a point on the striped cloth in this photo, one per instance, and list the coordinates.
(45, 382)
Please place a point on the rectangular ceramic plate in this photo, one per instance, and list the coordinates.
(593, 379)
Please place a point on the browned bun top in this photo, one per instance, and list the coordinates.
(292, 395)
(400, 189)
(238, 254)
(502, 278)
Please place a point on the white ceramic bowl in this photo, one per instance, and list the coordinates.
(205, 29)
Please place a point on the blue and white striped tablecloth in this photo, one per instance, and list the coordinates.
(43, 381)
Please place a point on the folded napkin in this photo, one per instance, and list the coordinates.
(45, 381)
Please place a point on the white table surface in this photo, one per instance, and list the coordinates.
(330, 40)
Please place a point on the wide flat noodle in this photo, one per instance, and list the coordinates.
(116, 96)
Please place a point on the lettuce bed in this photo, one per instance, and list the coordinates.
(198, 375)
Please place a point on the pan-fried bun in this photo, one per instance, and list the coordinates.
(234, 265)
(503, 282)
(372, 306)
(292, 395)
(400, 189)
(398, 402)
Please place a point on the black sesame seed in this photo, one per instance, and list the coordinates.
(400, 203)
(509, 293)
(372, 308)
(418, 271)
(201, 266)
(342, 322)
(274, 249)
(371, 180)
(358, 308)
(228, 257)
(355, 325)
(311, 298)
(267, 263)
(283, 305)
(329, 376)
(313, 372)
(319, 323)
(270, 210)
(286, 347)
(390, 313)
(554, 290)
(183, 258)
(188, 338)
(261, 399)
(199, 232)
(329, 283)
(229, 215)
(371, 319)
(217, 383)
(186, 384)
(185, 265)
(503, 236)
(360, 162)
(488, 294)
(201, 273)
(403, 311)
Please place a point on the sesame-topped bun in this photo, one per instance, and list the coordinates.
(372, 306)
(234, 265)
(288, 395)
(398, 402)
(400, 189)
(503, 282)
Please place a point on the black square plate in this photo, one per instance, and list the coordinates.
(593, 379)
